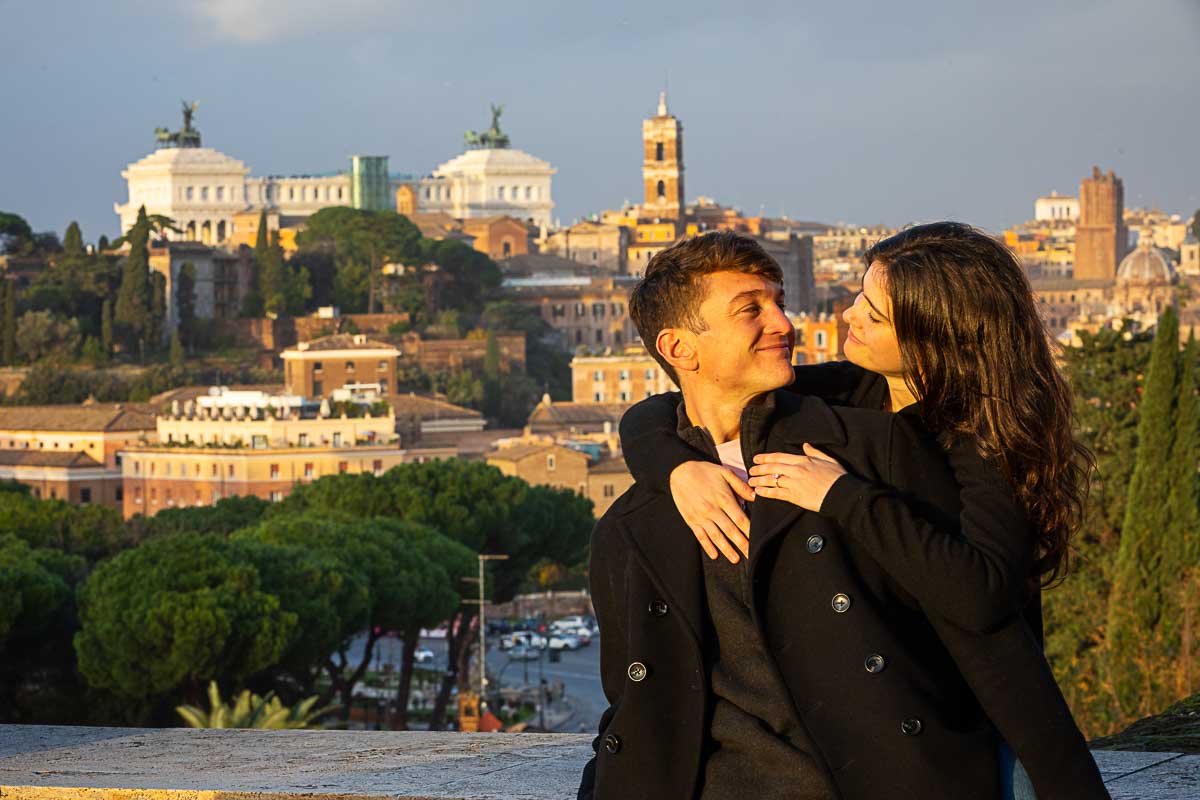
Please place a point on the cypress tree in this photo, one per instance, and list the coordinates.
(73, 241)
(156, 332)
(176, 349)
(271, 283)
(1136, 603)
(491, 376)
(1181, 551)
(252, 301)
(102, 243)
(132, 312)
(106, 327)
(185, 302)
(10, 323)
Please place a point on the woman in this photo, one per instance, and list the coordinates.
(945, 328)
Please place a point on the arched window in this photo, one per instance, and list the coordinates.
(221, 231)
(662, 191)
(658, 151)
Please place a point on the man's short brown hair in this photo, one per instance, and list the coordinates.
(670, 294)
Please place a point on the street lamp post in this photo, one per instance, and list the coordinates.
(483, 625)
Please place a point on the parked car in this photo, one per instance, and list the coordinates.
(423, 655)
(573, 621)
(563, 641)
(527, 638)
(519, 652)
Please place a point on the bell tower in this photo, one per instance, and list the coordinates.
(662, 167)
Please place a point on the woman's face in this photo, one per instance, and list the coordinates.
(871, 341)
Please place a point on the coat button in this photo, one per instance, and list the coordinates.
(612, 743)
(816, 543)
(659, 608)
(911, 726)
(875, 663)
(637, 672)
(841, 603)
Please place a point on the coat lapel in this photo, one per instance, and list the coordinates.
(668, 552)
(797, 420)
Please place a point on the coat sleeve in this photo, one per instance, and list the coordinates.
(974, 573)
(1008, 674)
(650, 444)
(653, 449)
(606, 570)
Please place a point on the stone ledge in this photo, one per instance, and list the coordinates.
(56, 763)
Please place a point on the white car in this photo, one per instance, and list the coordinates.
(573, 621)
(563, 641)
(423, 655)
(526, 638)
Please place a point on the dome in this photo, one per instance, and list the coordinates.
(495, 161)
(1146, 265)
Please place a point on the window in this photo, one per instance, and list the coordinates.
(558, 310)
(153, 494)
(624, 374)
(137, 495)
(308, 469)
(274, 470)
(658, 151)
(170, 500)
(258, 441)
(216, 496)
(188, 193)
(318, 366)
(609, 491)
(528, 192)
(662, 191)
(382, 366)
(598, 309)
(302, 440)
(624, 397)
(343, 466)
(500, 192)
(121, 494)
(597, 375)
(220, 193)
(337, 439)
(318, 388)
(276, 496)
(650, 374)
(349, 366)
(578, 337)
(137, 468)
(383, 385)
(377, 466)
(204, 194)
(580, 309)
(214, 470)
(231, 470)
(153, 467)
(168, 469)
(599, 337)
(54, 494)
(597, 397)
(550, 463)
(819, 339)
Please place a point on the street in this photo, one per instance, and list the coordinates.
(579, 671)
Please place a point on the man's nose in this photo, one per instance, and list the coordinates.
(777, 320)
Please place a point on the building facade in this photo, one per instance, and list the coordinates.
(620, 378)
(490, 182)
(1056, 208)
(586, 312)
(72, 453)
(318, 367)
(221, 279)
(592, 244)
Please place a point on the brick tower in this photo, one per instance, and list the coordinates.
(662, 169)
(1100, 236)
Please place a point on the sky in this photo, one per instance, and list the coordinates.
(859, 111)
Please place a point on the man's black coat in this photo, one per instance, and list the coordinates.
(893, 699)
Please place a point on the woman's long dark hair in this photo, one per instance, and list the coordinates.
(977, 355)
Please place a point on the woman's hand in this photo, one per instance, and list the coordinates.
(801, 480)
(705, 495)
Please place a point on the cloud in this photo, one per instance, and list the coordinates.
(259, 21)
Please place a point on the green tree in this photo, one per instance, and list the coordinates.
(1181, 550)
(157, 331)
(106, 328)
(10, 323)
(1195, 226)
(16, 237)
(176, 352)
(1139, 595)
(73, 241)
(132, 312)
(252, 301)
(92, 353)
(491, 377)
(40, 334)
(185, 303)
(161, 620)
(272, 277)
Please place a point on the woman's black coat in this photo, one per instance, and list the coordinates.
(893, 698)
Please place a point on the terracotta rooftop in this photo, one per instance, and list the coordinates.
(564, 413)
(519, 452)
(408, 405)
(340, 341)
(40, 458)
(610, 465)
(95, 417)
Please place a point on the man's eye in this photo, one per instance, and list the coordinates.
(751, 309)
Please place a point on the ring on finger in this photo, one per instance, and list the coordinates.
(777, 477)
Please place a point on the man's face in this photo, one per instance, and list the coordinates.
(747, 345)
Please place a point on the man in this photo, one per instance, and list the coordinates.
(803, 671)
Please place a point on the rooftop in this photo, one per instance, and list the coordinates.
(411, 404)
(40, 458)
(339, 341)
(92, 418)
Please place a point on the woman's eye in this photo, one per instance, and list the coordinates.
(871, 317)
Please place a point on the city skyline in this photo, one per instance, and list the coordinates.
(892, 117)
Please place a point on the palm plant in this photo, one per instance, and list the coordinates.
(250, 710)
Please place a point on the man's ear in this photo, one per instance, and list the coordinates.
(678, 347)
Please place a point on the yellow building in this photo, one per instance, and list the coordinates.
(619, 378)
